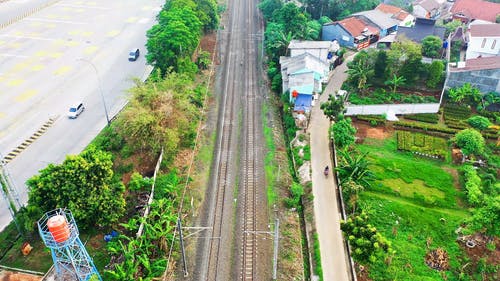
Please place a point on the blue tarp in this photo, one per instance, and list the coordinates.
(303, 103)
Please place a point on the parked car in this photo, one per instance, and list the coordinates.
(134, 54)
(75, 110)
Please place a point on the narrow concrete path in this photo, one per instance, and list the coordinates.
(333, 259)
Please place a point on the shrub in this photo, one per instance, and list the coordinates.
(479, 122)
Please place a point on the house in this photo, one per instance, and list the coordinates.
(483, 40)
(302, 77)
(422, 28)
(483, 73)
(383, 21)
(469, 10)
(429, 9)
(322, 50)
(404, 18)
(351, 32)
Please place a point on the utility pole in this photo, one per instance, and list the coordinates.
(99, 82)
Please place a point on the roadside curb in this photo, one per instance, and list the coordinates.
(26, 14)
(16, 151)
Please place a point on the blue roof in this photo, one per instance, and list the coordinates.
(302, 103)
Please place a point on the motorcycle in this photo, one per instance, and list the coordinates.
(326, 171)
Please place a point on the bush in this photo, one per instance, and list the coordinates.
(424, 117)
(479, 122)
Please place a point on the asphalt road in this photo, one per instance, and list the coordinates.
(61, 52)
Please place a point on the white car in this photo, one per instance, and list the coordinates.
(75, 110)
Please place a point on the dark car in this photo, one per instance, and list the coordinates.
(133, 55)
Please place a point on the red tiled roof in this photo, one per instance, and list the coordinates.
(397, 12)
(355, 26)
(388, 9)
(480, 64)
(476, 9)
(485, 30)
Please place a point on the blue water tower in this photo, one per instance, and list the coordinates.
(60, 233)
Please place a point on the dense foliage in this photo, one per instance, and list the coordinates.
(83, 184)
(173, 40)
(343, 133)
(431, 46)
(470, 141)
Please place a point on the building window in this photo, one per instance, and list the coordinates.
(493, 44)
(484, 43)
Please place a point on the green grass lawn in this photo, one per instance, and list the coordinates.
(413, 203)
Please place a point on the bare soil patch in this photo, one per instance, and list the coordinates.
(16, 276)
(364, 130)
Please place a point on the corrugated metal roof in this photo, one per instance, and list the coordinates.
(379, 18)
(297, 44)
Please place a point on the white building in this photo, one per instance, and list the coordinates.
(428, 9)
(483, 41)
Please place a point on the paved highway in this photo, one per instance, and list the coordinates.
(53, 53)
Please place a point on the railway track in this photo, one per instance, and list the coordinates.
(233, 252)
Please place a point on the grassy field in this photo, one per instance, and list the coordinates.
(413, 203)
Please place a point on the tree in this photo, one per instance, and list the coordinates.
(268, 7)
(176, 35)
(160, 116)
(380, 64)
(277, 40)
(479, 122)
(343, 133)
(83, 184)
(395, 82)
(470, 141)
(367, 243)
(334, 107)
(207, 14)
(350, 191)
(405, 59)
(436, 70)
(431, 45)
(360, 70)
(292, 18)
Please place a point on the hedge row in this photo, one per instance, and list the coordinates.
(424, 117)
(422, 143)
(456, 123)
(425, 127)
(454, 111)
(372, 119)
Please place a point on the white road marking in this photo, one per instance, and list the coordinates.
(144, 20)
(57, 21)
(27, 37)
(83, 6)
(13, 56)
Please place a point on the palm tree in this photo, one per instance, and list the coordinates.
(395, 82)
(354, 166)
(359, 74)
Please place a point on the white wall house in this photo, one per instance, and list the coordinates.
(428, 9)
(483, 41)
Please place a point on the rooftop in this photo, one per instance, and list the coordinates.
(356, 26)
(479, 64)
(428, 5)
(422, 29)
(476, 9)
(485, 30)
(379, 18)
(297, 44)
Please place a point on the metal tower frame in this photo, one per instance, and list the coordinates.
(71, 260)
(8, 190)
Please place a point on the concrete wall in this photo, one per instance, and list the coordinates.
(380, 109)
(486, 81)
